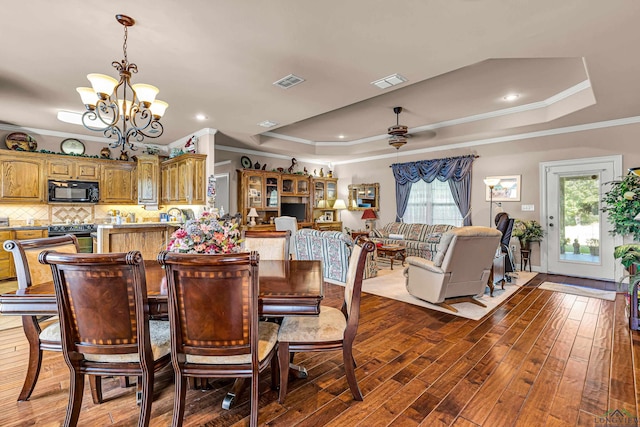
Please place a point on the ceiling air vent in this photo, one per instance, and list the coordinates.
(289, 81)
(392, 80)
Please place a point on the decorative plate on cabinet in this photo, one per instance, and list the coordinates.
(20, 141)
(72, 146)
(246, 162)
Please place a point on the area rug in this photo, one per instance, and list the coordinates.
(578, 290)
(391, 284)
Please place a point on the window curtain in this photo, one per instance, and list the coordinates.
(455, 170)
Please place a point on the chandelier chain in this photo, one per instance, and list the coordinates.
(124, 45)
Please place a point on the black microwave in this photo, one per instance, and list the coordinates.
(73, 191)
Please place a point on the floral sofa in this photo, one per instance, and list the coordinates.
(420, 240)
(333, 248)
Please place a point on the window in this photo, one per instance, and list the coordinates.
(432, 203)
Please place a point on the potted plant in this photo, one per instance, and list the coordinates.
(527, 232)
(594, 246)
(621, 204)
(629, 256)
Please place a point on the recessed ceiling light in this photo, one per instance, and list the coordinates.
(341, 136)
(267, 124)
(511, 97)
(201, 117)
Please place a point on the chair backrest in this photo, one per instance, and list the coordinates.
(25, 257)
(353, 285)
(213, 303)
(465, 252)
(101, 303)
(504, 224)
(271, 245)
(284, 223)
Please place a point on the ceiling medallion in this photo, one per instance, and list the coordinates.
(122, 110)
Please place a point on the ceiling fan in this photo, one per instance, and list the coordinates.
(398, 133)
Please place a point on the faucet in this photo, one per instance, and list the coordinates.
(178, 216)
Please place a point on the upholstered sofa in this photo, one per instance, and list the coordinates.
(333, 248)
(420, 240)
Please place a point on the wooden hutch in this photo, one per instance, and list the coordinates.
(275, 194)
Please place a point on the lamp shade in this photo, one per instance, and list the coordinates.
(369, 214)
(491, 182)
(339, 204)
(252, 213)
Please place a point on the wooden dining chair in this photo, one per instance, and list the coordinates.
(333, 329)
(271, 245)
(42, 333)
(215, 332)
(104, 318)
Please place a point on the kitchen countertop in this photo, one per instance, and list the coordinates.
(23, 227)
(139, 225)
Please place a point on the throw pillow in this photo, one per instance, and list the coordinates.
(375, 233)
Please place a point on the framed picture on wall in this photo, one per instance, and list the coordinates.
(328, 216)
(506, 190)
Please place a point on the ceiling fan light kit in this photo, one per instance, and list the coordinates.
(397, 132)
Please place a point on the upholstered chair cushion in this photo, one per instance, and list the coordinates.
(267, 339)
(268, 248)
(160, 345)
(329, 325)
(445, 241)
(51, 333)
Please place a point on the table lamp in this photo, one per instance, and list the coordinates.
(339, 204)
(252, 216)
(369, 215)
(491, 182)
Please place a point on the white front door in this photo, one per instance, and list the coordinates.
(578, 242)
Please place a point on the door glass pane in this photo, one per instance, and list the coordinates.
(271, 198)
(579, 219)
(255, 191)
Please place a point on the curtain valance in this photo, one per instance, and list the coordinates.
(454, 168)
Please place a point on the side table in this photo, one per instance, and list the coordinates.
(525, 259)
(393, 251)
(356, 234)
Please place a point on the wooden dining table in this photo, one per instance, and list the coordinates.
(286, 288)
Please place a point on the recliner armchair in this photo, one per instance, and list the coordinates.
(460, 269)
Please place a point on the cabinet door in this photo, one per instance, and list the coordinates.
(288, 186)
(319, 194)
(148, 180)
(87, 171)
(199, 191)
(6, 260)
(302, 187)
(332, 193)
(118, 184)
(60, 169)
(184, 182)
(254, 191)
(166, 183)
(23, 180)
(271, 192)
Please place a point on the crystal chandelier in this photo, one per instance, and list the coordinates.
(119, 109)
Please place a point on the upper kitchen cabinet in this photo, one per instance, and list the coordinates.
(148, 179)
(183, 180)
(22, 176)
(118, 183)
(73, 169)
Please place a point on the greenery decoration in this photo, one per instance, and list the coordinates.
(527, 231)
(621, 204)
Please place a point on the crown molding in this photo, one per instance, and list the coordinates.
(270, 155)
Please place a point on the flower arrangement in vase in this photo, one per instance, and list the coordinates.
(206, 235)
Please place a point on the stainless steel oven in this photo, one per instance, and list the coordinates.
(81, 231)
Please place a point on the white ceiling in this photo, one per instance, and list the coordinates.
(573, 62)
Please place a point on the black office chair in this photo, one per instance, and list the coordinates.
(504, 224)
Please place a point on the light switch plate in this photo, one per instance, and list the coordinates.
(529, 208)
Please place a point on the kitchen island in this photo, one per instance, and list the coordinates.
(147, 237)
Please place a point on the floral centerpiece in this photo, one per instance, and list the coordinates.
(527, 232)
(206, 235)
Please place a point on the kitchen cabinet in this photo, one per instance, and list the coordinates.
(118, 183)
(183, 180)
(30, 234)
(148, 179)
(73, 169)
(6, 260)
(22, 178)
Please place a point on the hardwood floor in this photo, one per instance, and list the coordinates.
(542, 358)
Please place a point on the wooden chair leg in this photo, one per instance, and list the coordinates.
(253, 420)
(350, 371)
(283, 361)
(147, 398)
(35, 358)
(125, 382)
(275, 372)
(95, 383)
(139, 390)
(76, 389)
(178, 399)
